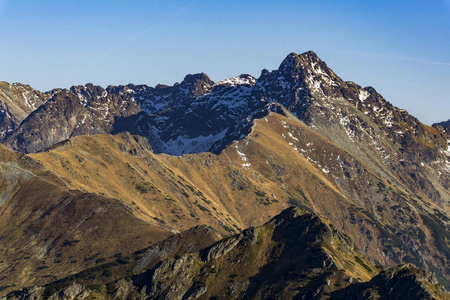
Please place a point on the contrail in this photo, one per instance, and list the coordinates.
(150, 28)
(401, 57)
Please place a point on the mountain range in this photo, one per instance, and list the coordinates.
(91, 176)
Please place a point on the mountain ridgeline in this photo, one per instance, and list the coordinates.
(199, 115)
(228, 155)
(296, 255)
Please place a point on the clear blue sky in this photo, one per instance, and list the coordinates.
(400, 47)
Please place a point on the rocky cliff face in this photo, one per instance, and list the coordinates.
(17, 101)
(359, 121)
(80, 111)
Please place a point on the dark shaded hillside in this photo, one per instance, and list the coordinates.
(295, 255)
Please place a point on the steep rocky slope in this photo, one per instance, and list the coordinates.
(80, 111)
(295, 255)
(361, 122)
(17, 101)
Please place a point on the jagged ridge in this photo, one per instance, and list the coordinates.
(296, 254)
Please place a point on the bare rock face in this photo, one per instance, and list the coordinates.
(80, 111)
(17, 101)
(128, 146)
(172, 278)
(220, 249)
(402, 282)
(32, 293)
(124, 289)
(72, 292)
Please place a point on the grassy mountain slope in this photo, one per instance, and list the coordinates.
(281, 162)
(49, 231)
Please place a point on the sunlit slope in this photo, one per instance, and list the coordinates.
(229, 191)
(48, 231)
(280, 163)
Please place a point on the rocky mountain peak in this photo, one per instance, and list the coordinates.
(308, 64)
(311, 55)
(445, 124)
(196, 85)
(17, 101)
(87, 92)
(290, 67)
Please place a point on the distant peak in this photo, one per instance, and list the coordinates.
(311, 60)
(289, 59)
(197, 84)
(309, 54)
(291, 55)
(193, 78)
(290, 67)
(445, 124)
(89, 88)
(294, 60)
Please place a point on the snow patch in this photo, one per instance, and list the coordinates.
(243, 158)
(389, 121)
(238, 80)
(83, 100)
(363, 95)
(181, 145)
(447, 152)
(292, 137)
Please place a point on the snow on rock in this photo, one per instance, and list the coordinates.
(238, 80)
(447, 152)
(363, 95)
(243, 157)
(292, 137)
(182, 145)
